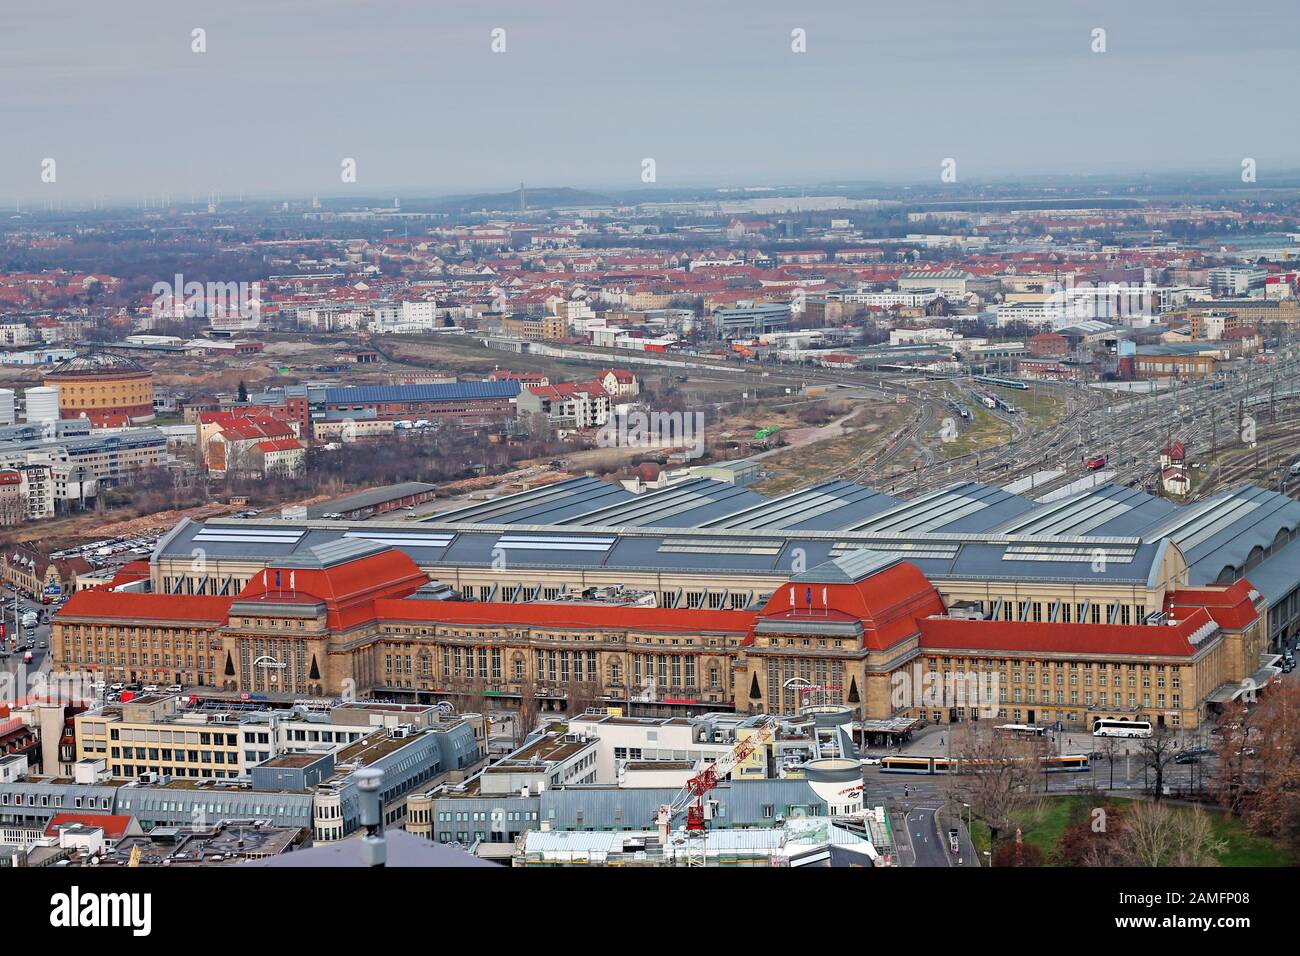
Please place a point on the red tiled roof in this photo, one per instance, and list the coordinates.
(245, 415)
(131, 571)
(1231, 606)
(114, 825)
(248, 429)
(889, 603)
(107, 419)
(1160, 640)
(98, 603)
(565, 389)
(350, 591)
(279, 444)
(609, 617)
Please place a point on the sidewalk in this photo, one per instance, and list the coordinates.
(937, 740)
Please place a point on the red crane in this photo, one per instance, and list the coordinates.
(691, 798)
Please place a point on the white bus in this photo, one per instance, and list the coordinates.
(1021, 730)
(1121, 728)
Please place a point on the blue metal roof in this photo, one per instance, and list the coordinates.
(1276, 576)
(965, 506)
(826, 506)
(548, 504)
(451, 392)
(968, 531)
(1106, 510)
(741, 803)
(686, 505)
(1233, 530)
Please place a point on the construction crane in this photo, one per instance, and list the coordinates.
(691, 797)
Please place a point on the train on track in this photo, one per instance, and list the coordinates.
(1001, 382)
(989, 400)
(1053, 763)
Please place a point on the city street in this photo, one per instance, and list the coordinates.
(1125, 772)
(920, 805)
(11, 657)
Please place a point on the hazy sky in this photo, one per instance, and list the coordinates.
(585, 90)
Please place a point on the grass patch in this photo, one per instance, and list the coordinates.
(982, 431)
(1043, 824)
(1041, 407)
(806, 464)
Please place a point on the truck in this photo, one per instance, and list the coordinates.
(954, 842)
(29, 619)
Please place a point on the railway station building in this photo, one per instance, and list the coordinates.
(709, 597)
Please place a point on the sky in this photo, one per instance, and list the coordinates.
(711, 90)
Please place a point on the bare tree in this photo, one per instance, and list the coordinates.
(527, 713)
(1263, 754)
(1110, 747)
(468, 693)
(997, 777)
(1159, 835)
(1156, 753)
(1236, 770)
(579, 695)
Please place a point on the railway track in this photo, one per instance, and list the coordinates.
(1203, 415)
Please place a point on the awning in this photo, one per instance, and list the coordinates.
(1264, 676)
(1224, 693)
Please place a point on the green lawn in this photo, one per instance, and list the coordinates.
(1039, 405)
(981, 432)
(1043, 825)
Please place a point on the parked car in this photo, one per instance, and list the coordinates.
(1192, 755)
(149, 688)
(173, 688)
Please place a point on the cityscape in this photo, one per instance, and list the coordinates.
(621, 506)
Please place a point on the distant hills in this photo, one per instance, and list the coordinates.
(539, 198)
